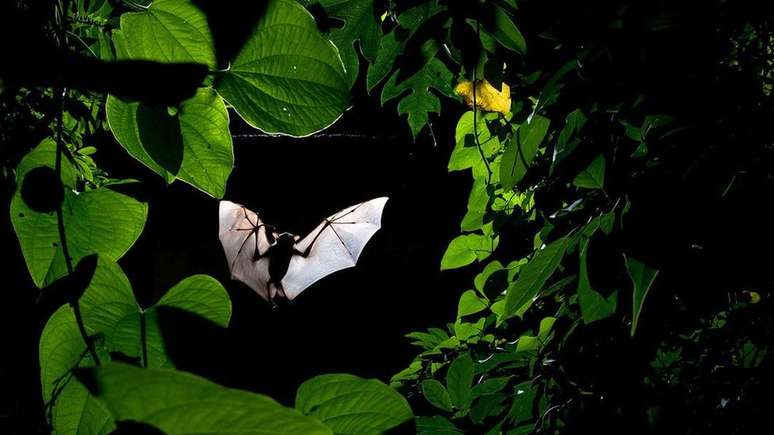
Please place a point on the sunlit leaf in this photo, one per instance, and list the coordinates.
(351, 405)
(521, 150)
(178, 403)
(467, 248)
(100, 221)
(532, 277)
(287, 78)
(191, 143)
(470, 303)
(487, 98)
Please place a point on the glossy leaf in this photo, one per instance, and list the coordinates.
(177, 402)
(521, 150)
(287, 78)
(532, 277)
(351, 405)
(191, 143)
(642, 277)
(470, 303)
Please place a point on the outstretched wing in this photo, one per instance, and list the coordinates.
(242, 233)
(334, 245)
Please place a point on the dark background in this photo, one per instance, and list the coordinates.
(350, 322)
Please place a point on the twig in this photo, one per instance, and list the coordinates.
(475, 119)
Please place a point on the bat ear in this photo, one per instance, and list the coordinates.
(296, 238)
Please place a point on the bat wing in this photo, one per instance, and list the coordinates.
(334, 245)
(240, 240)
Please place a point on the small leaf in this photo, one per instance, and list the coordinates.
(521, 150)
(436, 394)
(465, 249)
(593, 177)
(532, 277)
(642, 277)
(470, 303)
(459, 381)
(287, 78)
(351, 405)
(177, 402)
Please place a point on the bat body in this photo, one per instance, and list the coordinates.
(283, 265)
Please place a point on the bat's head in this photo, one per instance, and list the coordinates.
(286, 237)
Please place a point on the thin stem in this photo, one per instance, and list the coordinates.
(475, 119)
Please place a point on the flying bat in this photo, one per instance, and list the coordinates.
(282, 265)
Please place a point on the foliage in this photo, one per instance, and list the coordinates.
(594, 137)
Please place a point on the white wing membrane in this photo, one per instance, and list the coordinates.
(239, 243)
(335, 244)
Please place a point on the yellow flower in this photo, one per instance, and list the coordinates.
(488, 98)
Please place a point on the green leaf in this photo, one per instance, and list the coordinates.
(642, 277)
(532, 277)
(459, 381)
(521, 150)
(72, 408)
(192, 144)
(470, 303)
(478, 204)
(466, 153)
(523, 402)
(351, 405)
(528, 343)
(287, 78)
(490, 386)
(465, 249)
(436, 425)
(201, 295)
(95, 221)
(487, 405)
(502, 28)
(420, 101)
(566, 143)
(177, 403)
(593, 305)
(168, 31)
(593, 177)
(436, 394)
(360, 26)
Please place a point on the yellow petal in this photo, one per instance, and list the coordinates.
(488, 98)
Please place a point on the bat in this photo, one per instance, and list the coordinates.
(282, 265)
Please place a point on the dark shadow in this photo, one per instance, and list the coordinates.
(42, 190)
(158, 127)
(70, 287)
(192, 342)
(232, 25)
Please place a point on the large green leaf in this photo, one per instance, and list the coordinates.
(352, 405)
(521, 150)
(502, 28)
(100, 221)
(192, 142)
(436, 394)
(167, 31)
(459, 381)
(420, 101)
(532, 277)
(287, 78)
(200, 295)
(360, 26)
(181, 403)
(642, 277)
(71, 409)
